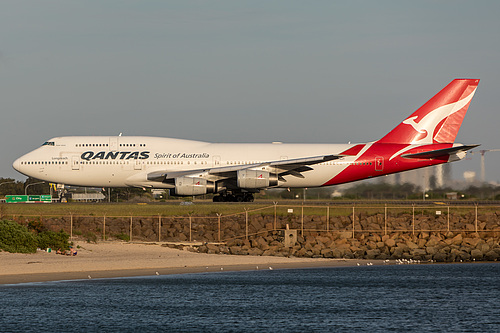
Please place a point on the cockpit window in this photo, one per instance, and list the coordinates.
(49, 143)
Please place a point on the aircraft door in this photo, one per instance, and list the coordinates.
(379, 164)
(113, 143)
(75, 162)
(138, 165)
(216, 161)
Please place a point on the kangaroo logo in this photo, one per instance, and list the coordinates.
(411, 121)
(427, 126)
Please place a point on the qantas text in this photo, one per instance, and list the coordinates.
(113, 155)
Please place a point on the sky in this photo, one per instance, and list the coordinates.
(242, 71)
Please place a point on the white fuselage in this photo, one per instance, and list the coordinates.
(103, 161)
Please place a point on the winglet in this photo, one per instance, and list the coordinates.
(438, 120)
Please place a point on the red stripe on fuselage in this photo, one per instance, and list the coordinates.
(366, 166)
(353, 151)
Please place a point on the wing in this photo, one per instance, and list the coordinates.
(281, 168)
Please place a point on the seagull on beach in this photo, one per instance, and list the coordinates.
(157, 273)
(270, 268)
(89, 277)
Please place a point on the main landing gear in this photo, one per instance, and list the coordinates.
(237, 197)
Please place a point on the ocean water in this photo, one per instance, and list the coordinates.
(403, 298)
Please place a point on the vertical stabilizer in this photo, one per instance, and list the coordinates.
(438, 120)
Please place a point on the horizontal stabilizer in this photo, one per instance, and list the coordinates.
(440, 152)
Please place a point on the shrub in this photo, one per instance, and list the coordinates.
(90, 237)
(16, 238)
(36, 226)
(123, 237)
(55, 240)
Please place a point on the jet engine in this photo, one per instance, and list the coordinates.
(256, 179)
(193, 186)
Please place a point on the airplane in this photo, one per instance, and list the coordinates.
(235, 171)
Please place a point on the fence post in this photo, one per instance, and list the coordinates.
(159, 228)
(413, 220)
(302, 220)
(385, 220)
(104, 227)
(218, 218)
(328, 218)
(476, 218)
(130, 228)
(190, 231)
(275, 216)
(246, 223)
(353, 216)
(448, 218)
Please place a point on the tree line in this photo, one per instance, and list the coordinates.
(10, 186)
(361, 190)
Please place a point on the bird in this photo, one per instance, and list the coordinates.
(357, 263)
(270, 268)
(89, 277)
(222, 268)
(157, 273)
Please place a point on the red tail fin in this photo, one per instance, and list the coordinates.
(438, 120)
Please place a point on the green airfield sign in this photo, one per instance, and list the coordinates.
(28, 198)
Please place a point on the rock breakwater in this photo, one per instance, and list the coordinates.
(439, 247)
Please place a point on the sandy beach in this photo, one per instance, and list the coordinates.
(120, 259)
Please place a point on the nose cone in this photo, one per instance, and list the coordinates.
(17, 165)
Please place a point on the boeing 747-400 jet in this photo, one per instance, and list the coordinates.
(235, 171)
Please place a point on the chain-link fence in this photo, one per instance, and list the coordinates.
(380, 219)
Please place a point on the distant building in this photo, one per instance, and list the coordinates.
(441, 175)
(452, 195)
(469, 176)
(87, 197)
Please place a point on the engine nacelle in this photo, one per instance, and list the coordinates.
(256, 179)
(192, 186)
